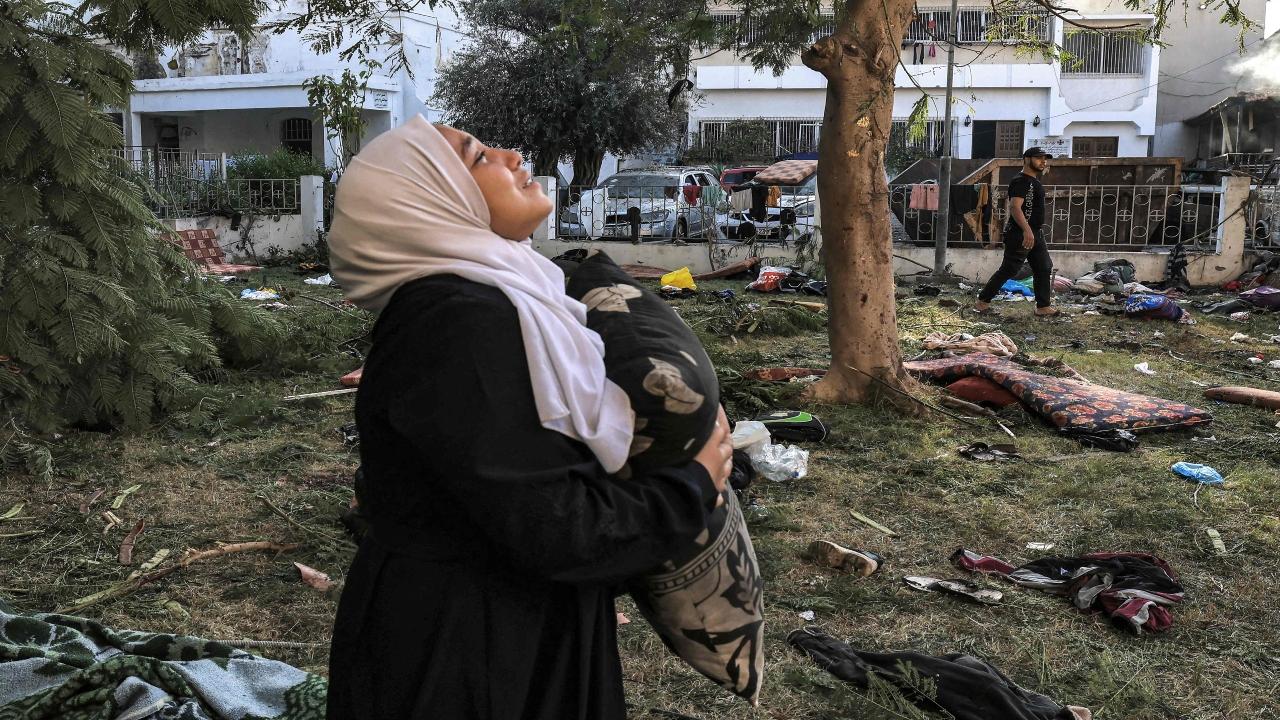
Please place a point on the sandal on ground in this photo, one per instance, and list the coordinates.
(857, 562)
(963, 588)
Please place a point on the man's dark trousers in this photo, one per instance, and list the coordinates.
(1014, 256)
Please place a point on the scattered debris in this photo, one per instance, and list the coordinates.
(119, 501)
(807, 615)
(871, 523)
(680, 279)
(794, 425)
(352, 379)
(12, 512)
(325, 279)
(928, 291)
(1040, 546)
(1115, 439)
(1240, 337)
(1132, 588)
(1242, 316)
(857, 562)
(126, 546)
(963, 588)
(263, 294)
(987, 453)
(623, 619)
(326, 393)
(84, 506)
(1144, 368)
(781, 373)
(139, 579)
(1203, 474)
(1268, 399)
(314, 578)
(995, 343)
(1214, 537)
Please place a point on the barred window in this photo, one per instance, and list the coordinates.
(1103, 52)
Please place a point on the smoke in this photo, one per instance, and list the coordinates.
(1260, 70)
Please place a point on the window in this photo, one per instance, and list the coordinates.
(1085, 147)
(1103, 52)
(295, 135)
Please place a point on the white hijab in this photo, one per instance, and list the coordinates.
(406, 208)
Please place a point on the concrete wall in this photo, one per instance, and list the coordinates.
(286, 232)
(1194, 76)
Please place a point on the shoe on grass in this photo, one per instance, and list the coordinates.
(856, 562)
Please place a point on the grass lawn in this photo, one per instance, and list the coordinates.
(213, 474)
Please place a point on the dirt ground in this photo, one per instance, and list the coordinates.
(247, 465)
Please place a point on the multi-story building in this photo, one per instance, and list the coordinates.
(225, 94)
(1101, 104)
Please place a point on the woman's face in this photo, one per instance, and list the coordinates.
(516, 203)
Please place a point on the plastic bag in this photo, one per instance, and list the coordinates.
(1201, 473)
(779, 463)
(749, 433)
(770, 279)
(681, 278)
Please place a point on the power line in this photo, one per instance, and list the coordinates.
(1141, 89)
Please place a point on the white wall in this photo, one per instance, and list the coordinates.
(1115, 94)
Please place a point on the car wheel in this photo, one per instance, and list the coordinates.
(682, 231)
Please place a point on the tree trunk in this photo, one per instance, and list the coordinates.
(859, 62)
(586, 166)
(546, 162)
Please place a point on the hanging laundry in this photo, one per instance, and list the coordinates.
(1134, 589)
(924, 197)
(963, 687)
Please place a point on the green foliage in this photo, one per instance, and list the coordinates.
(341, 106)
(280, 163)
(571, 77)
(741, 141)
(102, 320)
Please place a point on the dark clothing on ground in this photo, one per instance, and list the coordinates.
(966, 688)
(485, 587)
(1014, 256)
(1135, 589)
(1032, 193)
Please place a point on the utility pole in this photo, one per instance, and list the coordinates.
(942, 218)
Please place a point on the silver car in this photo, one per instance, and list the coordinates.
(662, 203)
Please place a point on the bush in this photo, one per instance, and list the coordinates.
(280, 163)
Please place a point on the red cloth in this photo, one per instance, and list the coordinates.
(982, 391)
(924, 197)
(202, 247)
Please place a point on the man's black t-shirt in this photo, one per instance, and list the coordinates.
(1032, 194)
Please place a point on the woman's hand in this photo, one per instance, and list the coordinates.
(717, 455)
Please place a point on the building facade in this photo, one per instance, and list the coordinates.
(1198, 72)
(227, 94)
(1101, 104)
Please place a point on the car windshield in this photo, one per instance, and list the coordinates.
(641, 186)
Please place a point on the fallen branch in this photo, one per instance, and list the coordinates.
(871, 523)
(959, 404)
(326, 393)
(915, 399)
(1218, 369)
(278, 511)
(136, 581)
(339, 308)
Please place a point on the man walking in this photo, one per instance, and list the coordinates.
(1023, 236)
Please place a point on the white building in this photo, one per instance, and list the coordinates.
(1006, 99)
(223, 95)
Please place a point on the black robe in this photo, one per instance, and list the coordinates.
(485, 587)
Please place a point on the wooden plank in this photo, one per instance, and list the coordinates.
(871, 523)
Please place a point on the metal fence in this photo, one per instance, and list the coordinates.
(1264, 218)
(681, 214)
(175, 197)
(155, 163)
(734, 139)
(748, 30)
(978, 25)
(1103, 52)
(1077, 217)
